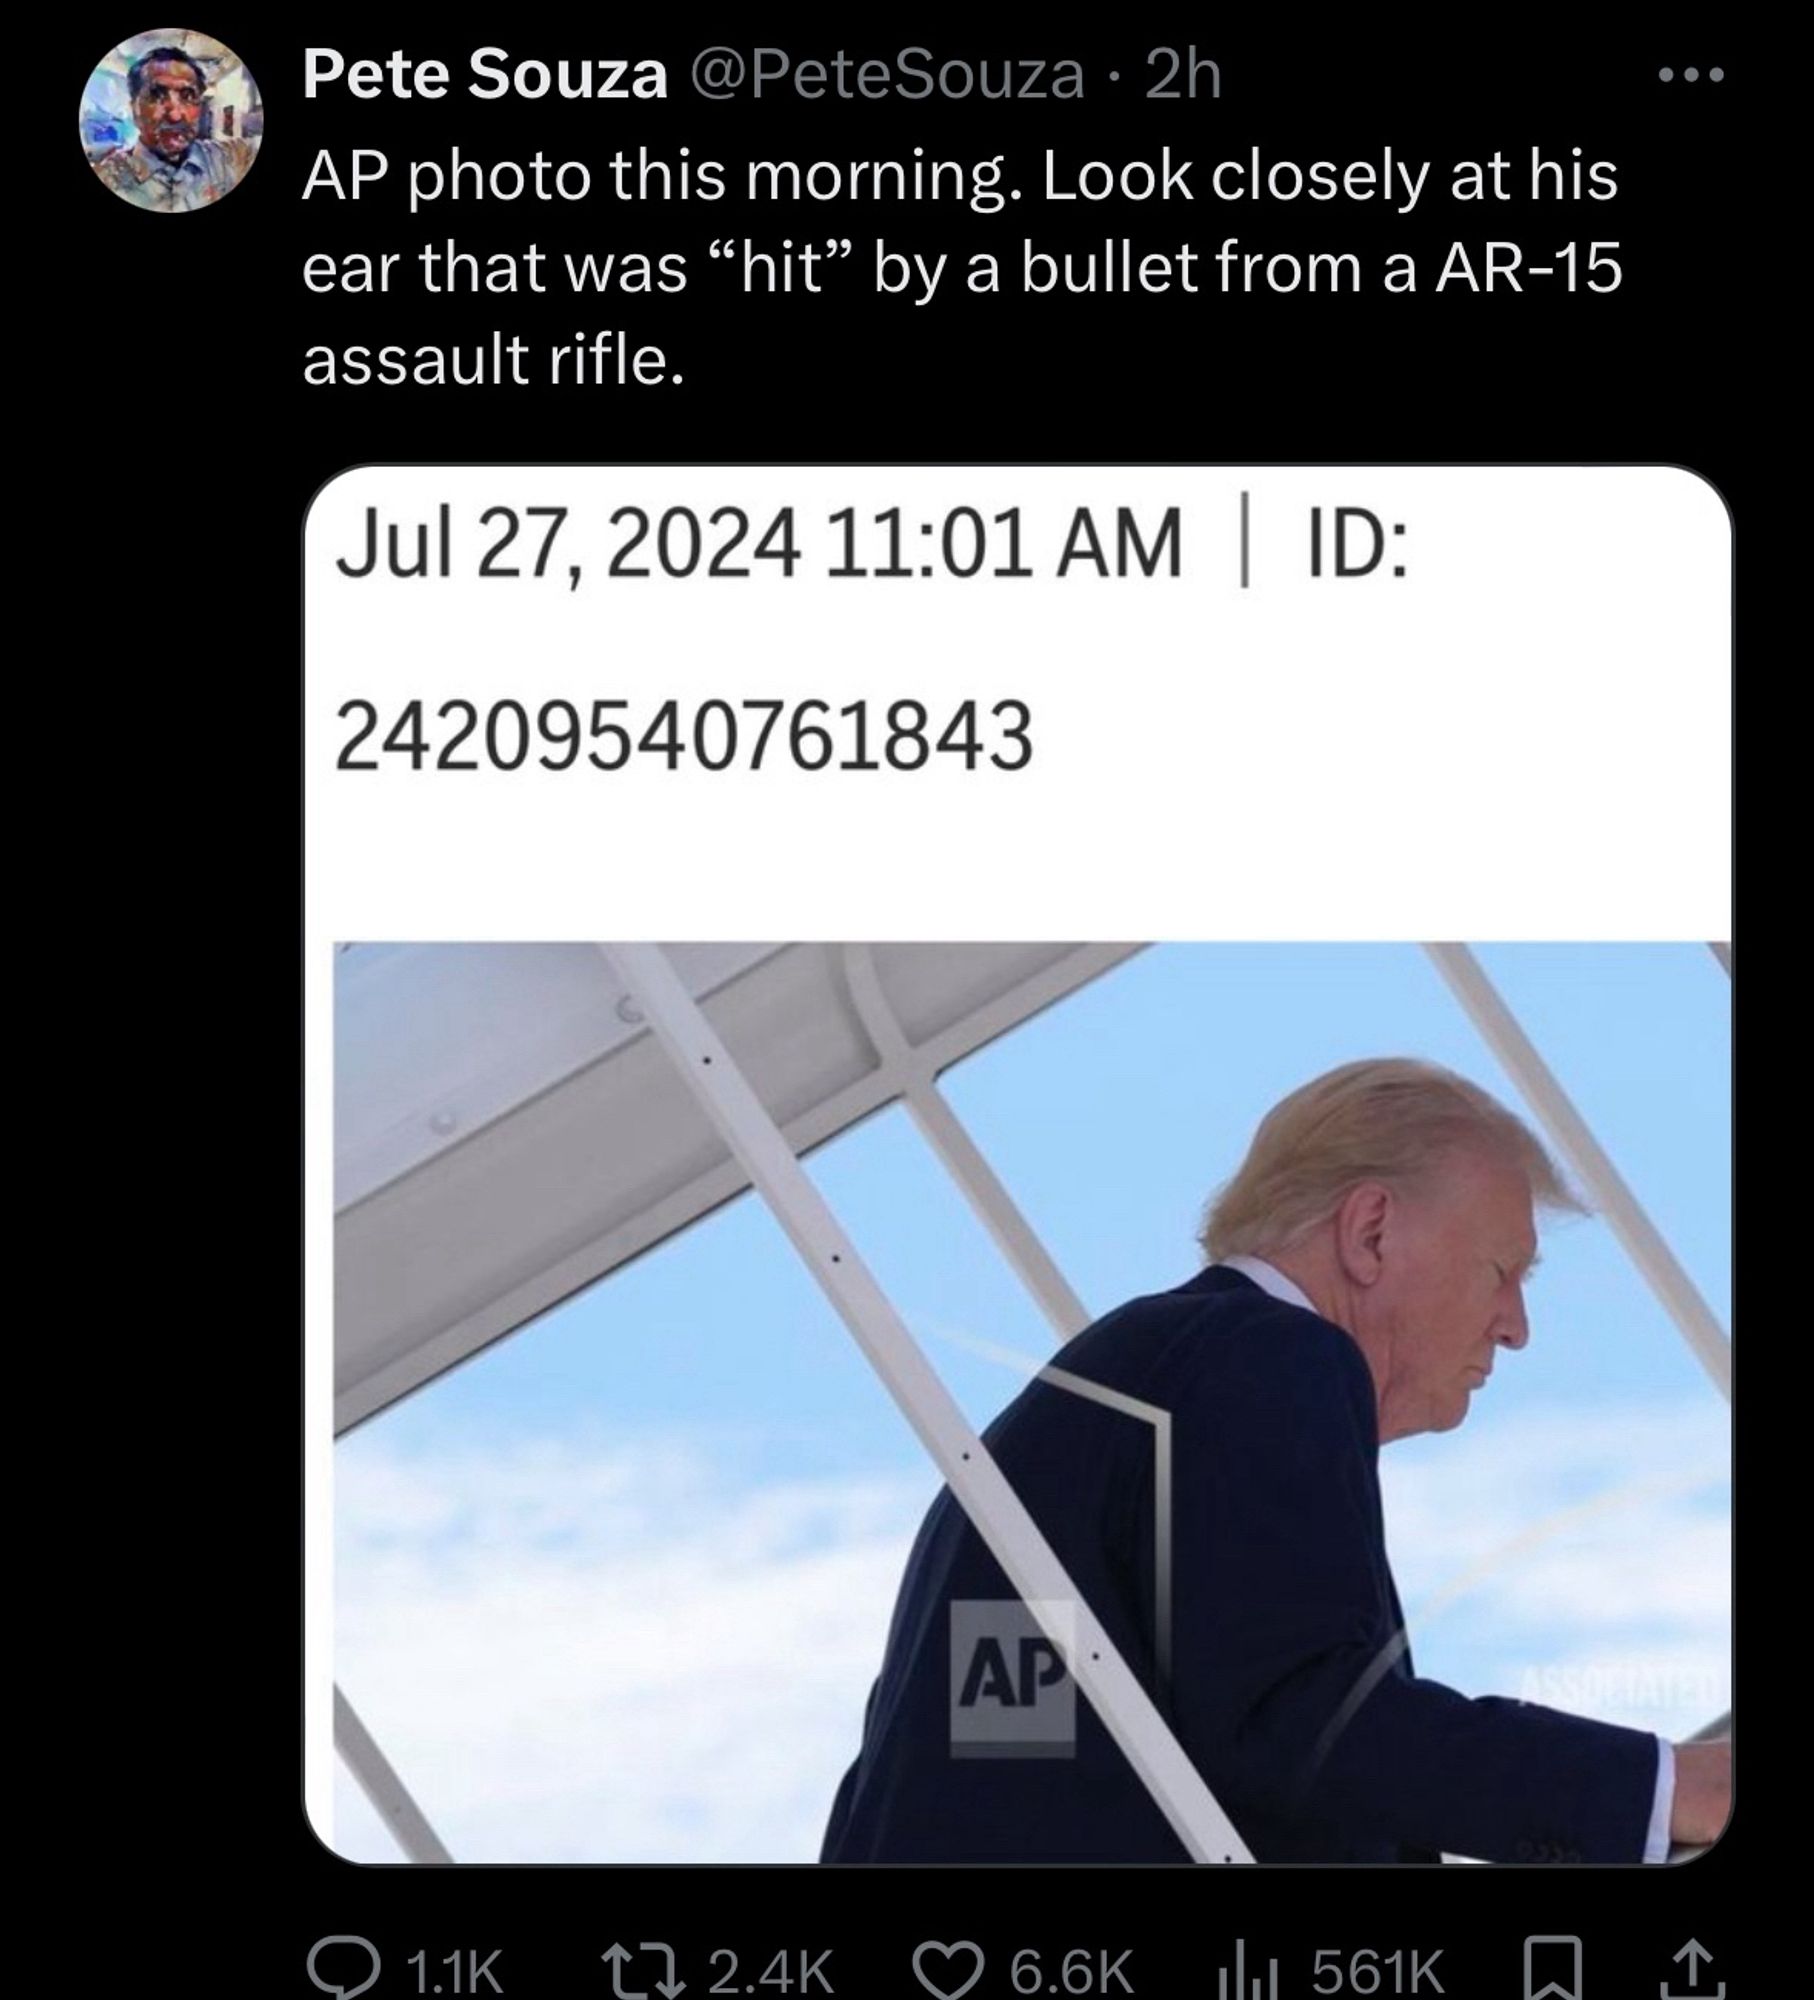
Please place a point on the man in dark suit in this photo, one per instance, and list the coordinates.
(1369, 1263)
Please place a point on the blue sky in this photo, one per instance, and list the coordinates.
(694, 1449)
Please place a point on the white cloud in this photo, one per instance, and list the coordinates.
(578, 1657)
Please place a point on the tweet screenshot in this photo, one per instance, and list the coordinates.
(976, 787)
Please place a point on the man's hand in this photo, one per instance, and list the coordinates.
(1703, 1792)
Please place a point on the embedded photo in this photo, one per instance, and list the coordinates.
(1002, 1403)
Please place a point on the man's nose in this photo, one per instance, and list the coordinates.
(1514, 1327)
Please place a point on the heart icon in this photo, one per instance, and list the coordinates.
(947, 1952)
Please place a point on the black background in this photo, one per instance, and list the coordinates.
(180, 340)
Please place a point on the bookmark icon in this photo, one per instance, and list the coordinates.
(1552, 1968)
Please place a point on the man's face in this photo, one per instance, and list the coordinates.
(1453, 1276)
(168, 109)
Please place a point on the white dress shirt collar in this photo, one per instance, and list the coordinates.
(1270, 1279)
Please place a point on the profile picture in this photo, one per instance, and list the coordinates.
(171, 120)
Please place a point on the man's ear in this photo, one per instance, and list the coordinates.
(1360, 1231)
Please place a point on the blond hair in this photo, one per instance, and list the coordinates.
(1388, 1119)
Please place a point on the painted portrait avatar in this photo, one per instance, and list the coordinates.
(171, 121)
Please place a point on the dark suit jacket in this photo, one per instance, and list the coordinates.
(1292, 1687)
